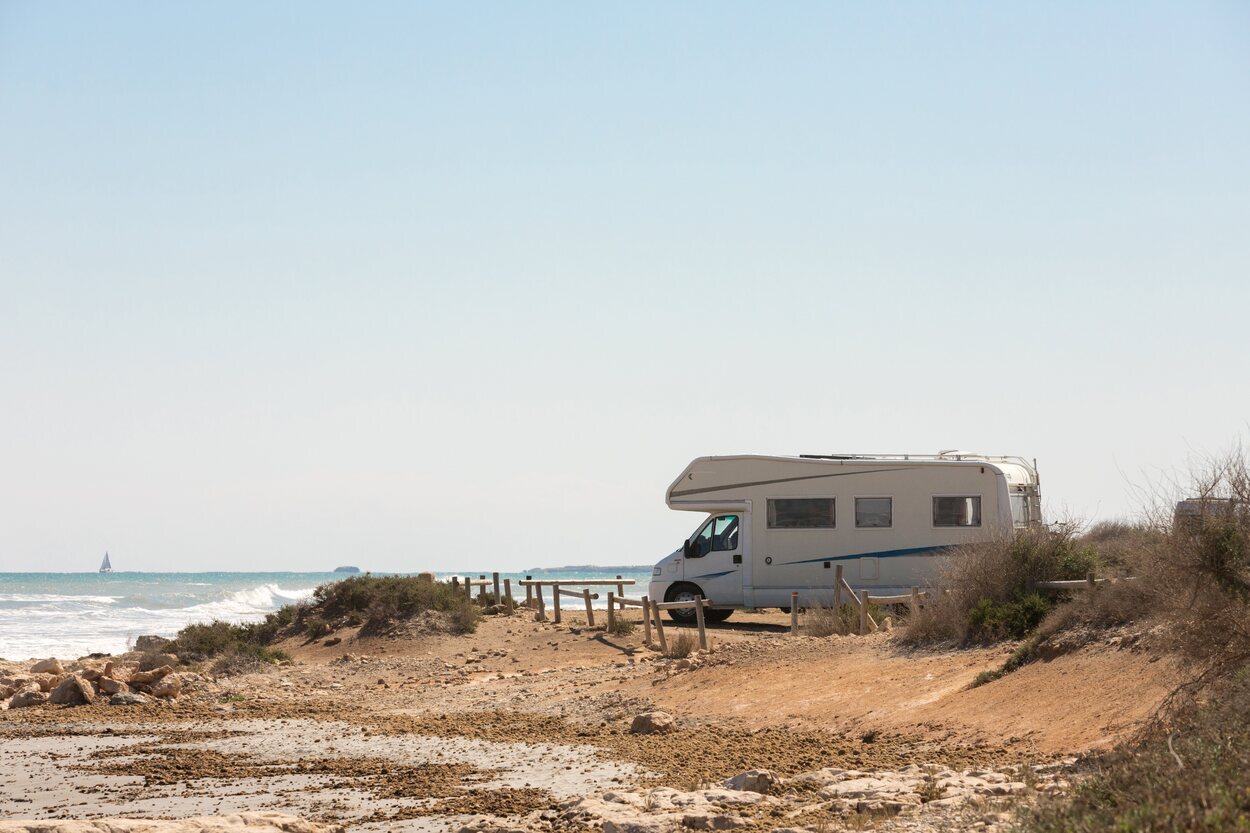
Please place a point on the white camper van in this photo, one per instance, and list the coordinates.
(777, 525)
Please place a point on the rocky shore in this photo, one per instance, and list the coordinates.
(528, 726)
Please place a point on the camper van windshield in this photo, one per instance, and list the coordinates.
(719, 533)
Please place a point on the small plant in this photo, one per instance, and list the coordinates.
(870, 736)
(682, 644)
(621, 626)
(316, 627)
(827, 620)
(248, 660)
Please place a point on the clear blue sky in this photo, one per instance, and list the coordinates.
(284, 286)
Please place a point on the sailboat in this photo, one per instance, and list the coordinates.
(105, 566)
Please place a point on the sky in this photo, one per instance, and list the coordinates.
(285, 286)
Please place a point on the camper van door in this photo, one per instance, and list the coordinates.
(714, 562)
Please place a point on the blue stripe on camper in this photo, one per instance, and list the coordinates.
(714, 575)
(881, 554)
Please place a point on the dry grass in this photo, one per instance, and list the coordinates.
(621, 626)
(681, 644)
(827, 620)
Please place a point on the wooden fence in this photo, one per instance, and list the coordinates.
(534, 594)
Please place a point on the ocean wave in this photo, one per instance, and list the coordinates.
(48, 624)
(52, 598)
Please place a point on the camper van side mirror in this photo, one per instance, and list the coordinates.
(685, 548)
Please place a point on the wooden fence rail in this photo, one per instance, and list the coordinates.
(1087, 583)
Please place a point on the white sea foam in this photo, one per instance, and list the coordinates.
(67, 625)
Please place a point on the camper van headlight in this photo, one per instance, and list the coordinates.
(655, 571)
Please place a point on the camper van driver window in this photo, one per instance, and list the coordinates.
(957, 511)
(801, 513)
(874, 512)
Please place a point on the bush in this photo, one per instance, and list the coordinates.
(380, 601)
(1200, 577)
(991, 621)
(199, 642)
(986, 589)
(247, 660)
(316, 627)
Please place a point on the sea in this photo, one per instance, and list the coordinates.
(71, 615)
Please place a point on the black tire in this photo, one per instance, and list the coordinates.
(714, 617)
(683, 591)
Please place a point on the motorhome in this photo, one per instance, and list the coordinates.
(779, 525)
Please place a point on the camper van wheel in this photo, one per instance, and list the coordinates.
(682, 593)
(714, 617)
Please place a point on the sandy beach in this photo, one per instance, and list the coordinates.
(526, 725)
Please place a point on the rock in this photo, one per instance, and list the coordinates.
(168, 687)
(640, 824)
(149, 644)
(233, 823)
(129, 698)
(108, 685)
(72, 691)
(154, 661)
(48, 666)
(753, 780)
(7, 691)
(47, 682)
(652, 723)
(148, 677)
(31, 695)
(332, 641)
(702, 821)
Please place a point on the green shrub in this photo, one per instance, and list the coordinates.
(198, 642)
(316, 627)
(990, 621)
(379, 601)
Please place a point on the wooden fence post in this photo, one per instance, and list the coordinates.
(555, 603)
(1089, 579)
(659, 628)
(481, 590)
(529, 593)
(590, 611)
(794, 614)
(698, 615)
(646, 621)
(611, 611)
(837, 587)
(468, 589)
(507, 594)
(542, 607)
(915, 601)
(455, 583)
(863, 611)
(498, 598)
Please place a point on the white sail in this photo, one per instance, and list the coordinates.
(105, 566)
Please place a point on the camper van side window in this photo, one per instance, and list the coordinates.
(874, 512)
(801, 513)
(957, 511)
